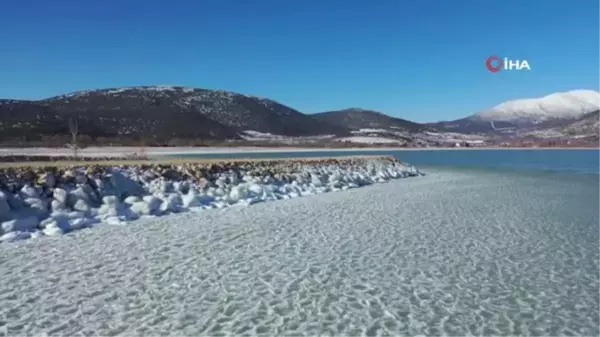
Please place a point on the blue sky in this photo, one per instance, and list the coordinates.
(420, 60)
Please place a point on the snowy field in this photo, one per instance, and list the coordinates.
(453, 252)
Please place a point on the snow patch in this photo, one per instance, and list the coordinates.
(370, 140)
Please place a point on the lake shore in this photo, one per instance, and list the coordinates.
(122, 151)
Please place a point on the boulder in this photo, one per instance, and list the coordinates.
(20, 225)
(132, 199)
(110, 200)
(60, 195)
(52, 229)
(47, 179)
(29, 192)
(14, 236)
(81, 205)
(172, 203)
(123, 186)
(4, 207)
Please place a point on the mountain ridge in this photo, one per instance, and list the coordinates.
(558, 105)
(158, 112)
(162, 112)
(553, 110)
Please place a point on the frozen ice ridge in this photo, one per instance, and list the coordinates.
(52, 201)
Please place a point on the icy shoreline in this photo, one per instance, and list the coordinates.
(51, 201)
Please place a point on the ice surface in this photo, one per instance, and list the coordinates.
(451, 253)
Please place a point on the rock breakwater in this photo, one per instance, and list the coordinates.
(51, 200)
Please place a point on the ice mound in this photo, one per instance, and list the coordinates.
(35, 204)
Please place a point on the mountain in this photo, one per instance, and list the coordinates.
(562, 105)
(473, 125)
(356, 119)
(555, 110)
(588, 124)
(157, 112)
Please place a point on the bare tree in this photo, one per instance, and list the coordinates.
(74, 129)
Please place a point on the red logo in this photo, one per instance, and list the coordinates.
(489, 63)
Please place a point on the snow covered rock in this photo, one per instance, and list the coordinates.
(14, 236)
(20, 225)
(149, 206)
(60, 195)
(47, 179)
(29, 192)
(172, 203)
(81, 205)
(110, 200)
(130, 200)
(256, 189)
(123, 186)
(4, 207)
(52, 229)
(56, 205)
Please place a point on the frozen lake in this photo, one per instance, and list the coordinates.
(459, 251)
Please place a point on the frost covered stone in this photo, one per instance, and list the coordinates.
(132, 199)
(124, 186)
(20, 225)
(81, 205)
(52, 229)
(110, 200)
(14, 236)
(60, 195)
(171, 204)
(29, 192)
(4, 208)
(48, 180)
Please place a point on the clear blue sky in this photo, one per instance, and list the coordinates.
(420, 60)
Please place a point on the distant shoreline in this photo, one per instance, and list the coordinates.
(122, 151)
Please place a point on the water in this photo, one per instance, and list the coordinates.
(568, 161)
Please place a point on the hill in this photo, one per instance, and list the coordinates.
(356, 119)
(157, 113)
(552, 111)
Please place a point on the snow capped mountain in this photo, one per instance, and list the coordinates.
(589, 123)
(560, 105)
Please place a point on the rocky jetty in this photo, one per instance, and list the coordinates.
(52, 200)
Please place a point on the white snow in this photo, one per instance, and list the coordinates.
(370, 140)
(126, 194)
(156, 88)
(370, 131)
(570, 104)
(252, 135)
